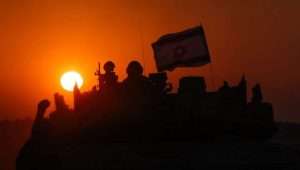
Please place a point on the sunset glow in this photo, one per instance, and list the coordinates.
(44, 39)
(69, 79)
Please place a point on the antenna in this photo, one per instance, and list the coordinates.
(98, 74)
(142, 42)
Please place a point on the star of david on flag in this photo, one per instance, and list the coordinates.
(183, 49)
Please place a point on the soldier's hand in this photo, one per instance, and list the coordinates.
(43, 105)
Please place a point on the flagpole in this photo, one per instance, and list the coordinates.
(180, 11)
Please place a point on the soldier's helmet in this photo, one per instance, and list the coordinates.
(134, 68)
(109, 66)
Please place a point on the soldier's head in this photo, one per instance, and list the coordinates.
(109, 66)
(134, 69)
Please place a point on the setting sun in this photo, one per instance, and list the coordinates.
(69, 79)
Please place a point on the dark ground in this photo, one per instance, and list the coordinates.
(183, 156)
(282, 152)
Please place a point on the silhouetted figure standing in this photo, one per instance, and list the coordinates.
(135, 81)
(225, 87)
(108, 98)
(257, 94)
(136, 91)
(109, 78)
(62, 120)
(261, 113)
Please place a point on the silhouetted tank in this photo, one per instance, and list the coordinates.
(144, 110)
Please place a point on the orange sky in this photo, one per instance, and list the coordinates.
(42, 39)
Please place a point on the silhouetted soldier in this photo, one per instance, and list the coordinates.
(109, 78)
(225, 87)
(108, 83)
(257, 94)
(136, 82)
(60, 103)
(226, 94)
(62, 120)
(136, 90)
(261, 113)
